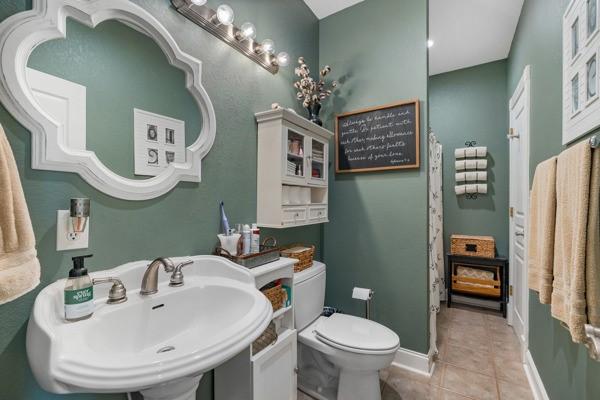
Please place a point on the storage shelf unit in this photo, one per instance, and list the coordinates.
(271, 373)
(292, 171)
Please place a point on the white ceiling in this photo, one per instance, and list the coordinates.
(324, 8)
(470, 32)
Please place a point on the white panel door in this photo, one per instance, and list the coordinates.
(519, 107)
(275, 370)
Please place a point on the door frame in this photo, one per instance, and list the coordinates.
(523, 89)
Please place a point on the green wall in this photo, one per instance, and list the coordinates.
(565, 368)
(377, 237)
(472, 104)
(185, 220)
(122, 69)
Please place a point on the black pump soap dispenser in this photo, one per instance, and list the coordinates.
(79, 291)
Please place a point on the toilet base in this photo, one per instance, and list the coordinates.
(359, 385)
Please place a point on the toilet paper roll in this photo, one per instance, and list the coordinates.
(361, 293)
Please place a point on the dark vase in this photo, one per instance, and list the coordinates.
(313, 113)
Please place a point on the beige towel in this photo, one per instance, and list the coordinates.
(19, 266)
(573, 171)
(592, 257)
(542, 218)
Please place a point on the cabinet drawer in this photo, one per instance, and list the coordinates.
(317, 213)
(294, 215)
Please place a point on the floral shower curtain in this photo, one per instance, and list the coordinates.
(436, 241)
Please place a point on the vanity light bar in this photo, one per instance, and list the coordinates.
(206, 17)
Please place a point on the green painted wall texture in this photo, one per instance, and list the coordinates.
(377, 237)
(472, 104)
(565, 368)
(185, 220)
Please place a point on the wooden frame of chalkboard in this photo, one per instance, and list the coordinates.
(398, 136)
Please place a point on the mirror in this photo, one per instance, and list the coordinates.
(117, 95)
(107, 93)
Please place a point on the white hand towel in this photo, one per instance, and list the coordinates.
(471, 176)
(471, 189)
(460, 165)
(471, 164)
(482, 188)
(459, 153)
(481, 164)
(481, 176)
(481, 151)
(19, 266)
(460, 189)
(470, 152)
(460, 177)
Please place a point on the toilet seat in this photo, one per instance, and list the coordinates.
(356, 335)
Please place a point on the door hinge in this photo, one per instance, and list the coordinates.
(510, 290)
(511, 212)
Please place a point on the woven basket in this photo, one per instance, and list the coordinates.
(303, 254)
(474, 246)
(275, 296)
(268, 337)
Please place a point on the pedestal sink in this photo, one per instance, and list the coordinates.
(159, 344)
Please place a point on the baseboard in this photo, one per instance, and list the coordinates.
(414, 361)
(535, 381)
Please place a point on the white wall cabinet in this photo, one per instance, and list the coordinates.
(292, 170)
(271, 373)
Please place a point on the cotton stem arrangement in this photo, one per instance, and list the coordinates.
(312, 92)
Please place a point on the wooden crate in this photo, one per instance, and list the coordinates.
(474, 246)
(480, 286)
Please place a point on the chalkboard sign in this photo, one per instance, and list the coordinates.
(379, 138)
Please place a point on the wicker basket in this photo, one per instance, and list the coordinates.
(474, 246)
(302, 253)
(275, 296)
(268, 337)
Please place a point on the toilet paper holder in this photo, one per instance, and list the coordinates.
(366, 295)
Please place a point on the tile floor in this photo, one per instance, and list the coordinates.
(478, 360)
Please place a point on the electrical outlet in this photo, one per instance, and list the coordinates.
(66, 239)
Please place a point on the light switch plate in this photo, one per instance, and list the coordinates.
(65, 238)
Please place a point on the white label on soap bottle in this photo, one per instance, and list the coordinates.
(79, 302)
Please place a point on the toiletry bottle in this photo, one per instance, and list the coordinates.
(247, 238)
(255, 240)
(79, 292)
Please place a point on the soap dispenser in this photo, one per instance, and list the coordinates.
(79, 291)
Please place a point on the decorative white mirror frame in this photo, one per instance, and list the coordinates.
(22, 32)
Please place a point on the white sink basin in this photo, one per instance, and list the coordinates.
(159, 344)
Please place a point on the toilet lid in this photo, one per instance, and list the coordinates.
(356, 333)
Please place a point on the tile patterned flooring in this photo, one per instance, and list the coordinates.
(478, 359)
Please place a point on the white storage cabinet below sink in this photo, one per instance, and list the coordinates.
(271, 373)
(292, 170)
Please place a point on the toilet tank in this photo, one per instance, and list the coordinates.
(309, 295)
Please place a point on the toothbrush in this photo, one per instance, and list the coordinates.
(224, 221)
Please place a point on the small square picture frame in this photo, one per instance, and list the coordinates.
(591, 18)
(153, 159)
(152, 132)
(591, 79)
(170, 136)
(169, 157)
(575, 39)
(575, 100)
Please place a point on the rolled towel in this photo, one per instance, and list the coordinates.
(481, 164)
(482, 188)
(481, 176)
(470, 152)
(460, 165)
(471, 189)
(459, 153)
(460, 177)
(471, 164)
(460, 189)
(481, 151)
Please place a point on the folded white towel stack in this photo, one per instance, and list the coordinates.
(480, 188)
(478, 164)
(473, 176)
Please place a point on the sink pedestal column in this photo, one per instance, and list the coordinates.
(182, 389)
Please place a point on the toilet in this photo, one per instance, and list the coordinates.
(339, 357)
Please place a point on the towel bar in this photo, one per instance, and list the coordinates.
(593, 335)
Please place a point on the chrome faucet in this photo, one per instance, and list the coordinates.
(150, 279)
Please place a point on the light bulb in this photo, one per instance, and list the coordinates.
(430, 43)
(225, 14)
(247, 30)
(283, 59)
(199, 2)
(267, 46)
